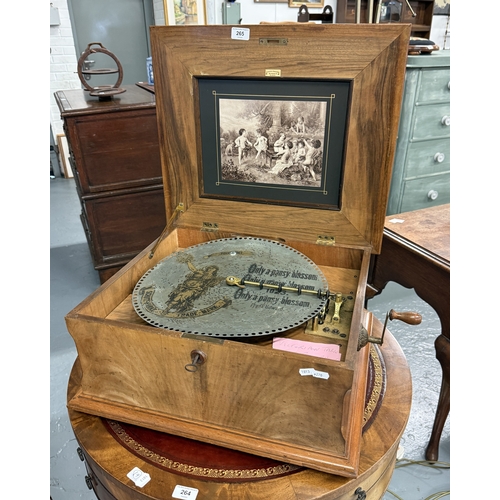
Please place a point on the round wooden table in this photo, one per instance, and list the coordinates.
(112, 449)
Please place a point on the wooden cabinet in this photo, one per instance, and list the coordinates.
(421, 23)
(115, 158)
(421, 173)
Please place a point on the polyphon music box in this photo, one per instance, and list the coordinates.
(244, 325)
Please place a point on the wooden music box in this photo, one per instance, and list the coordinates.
(244, 324)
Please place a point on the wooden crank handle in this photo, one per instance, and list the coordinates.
(408, 317)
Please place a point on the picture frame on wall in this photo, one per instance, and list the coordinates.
(309, 3)
(185, 12)
(62, 144)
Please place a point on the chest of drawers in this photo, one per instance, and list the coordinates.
(115, 158)
(421, 173)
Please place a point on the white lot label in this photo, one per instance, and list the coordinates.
(184, 492)
(240, 33)
(315, 373)
(140, 478)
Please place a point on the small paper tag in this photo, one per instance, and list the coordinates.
(140, 478)
(240, 33)
(184, 492)
(144, 479)
(328, 351)
(306, 371)
(397, 221)
(315, 373)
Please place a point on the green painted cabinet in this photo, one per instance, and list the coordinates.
(421, 173)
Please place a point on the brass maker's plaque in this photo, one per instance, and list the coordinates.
(187, 291)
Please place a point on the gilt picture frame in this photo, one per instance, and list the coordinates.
(312, 4)
(185, 12)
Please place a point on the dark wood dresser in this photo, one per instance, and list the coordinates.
(115, 158)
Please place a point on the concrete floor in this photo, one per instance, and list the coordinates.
(73, 278)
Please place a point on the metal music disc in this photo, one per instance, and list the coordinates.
(187, 291)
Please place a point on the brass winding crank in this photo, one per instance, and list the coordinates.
(409, 317)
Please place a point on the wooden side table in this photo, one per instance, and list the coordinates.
(109, 456)
(416, 254)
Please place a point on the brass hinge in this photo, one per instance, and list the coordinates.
(178, 209)
(325, 240)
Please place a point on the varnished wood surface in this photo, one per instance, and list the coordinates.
(110, 462)
(79, 102)
(428, 228)
(114, 387)
(416, 254)
(409, 260)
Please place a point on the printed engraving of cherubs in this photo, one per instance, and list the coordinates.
(195, 284)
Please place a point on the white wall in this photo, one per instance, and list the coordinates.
(63, 62)
(159, 12)
(440, 32)
(63, 57)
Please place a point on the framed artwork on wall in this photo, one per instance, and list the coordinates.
(307, 3)
(184, 12)
(62, 144)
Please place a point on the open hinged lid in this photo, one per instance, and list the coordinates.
(336, 87)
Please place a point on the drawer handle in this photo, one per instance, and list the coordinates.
(88, 482)
(432, 195)
(439, 157)
(81, 456)
(445, 120)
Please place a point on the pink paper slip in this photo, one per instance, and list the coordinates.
(328, 351)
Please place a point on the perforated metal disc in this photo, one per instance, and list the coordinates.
(187, 291)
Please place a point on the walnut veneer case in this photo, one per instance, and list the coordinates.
(347, 82)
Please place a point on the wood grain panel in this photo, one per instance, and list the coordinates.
(371, 57)
(110, 462)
